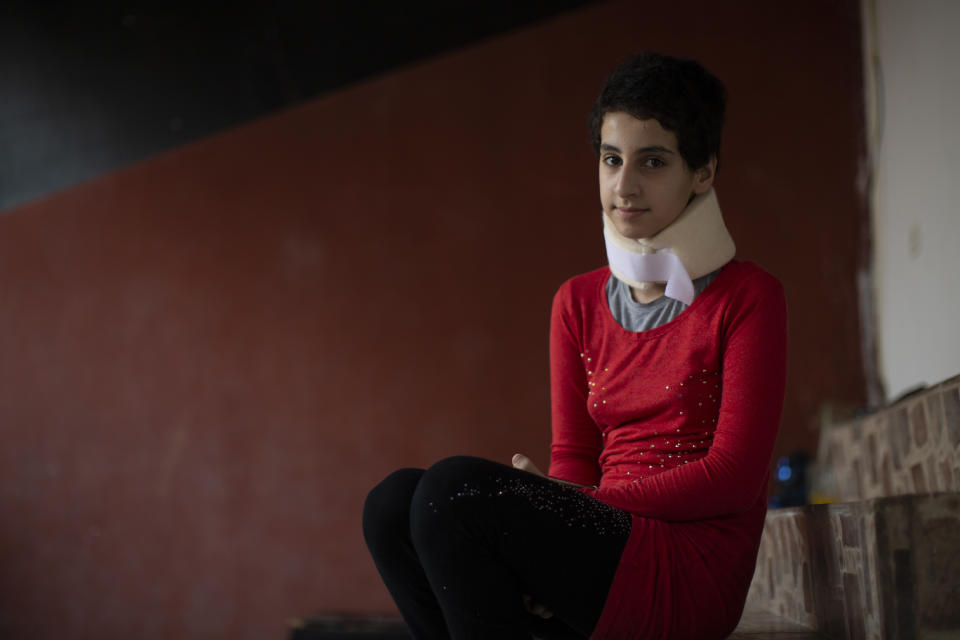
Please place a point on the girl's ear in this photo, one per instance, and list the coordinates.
(703, 177)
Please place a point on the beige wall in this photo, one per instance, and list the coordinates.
(913, 55)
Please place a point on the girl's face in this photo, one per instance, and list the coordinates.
(644, 182)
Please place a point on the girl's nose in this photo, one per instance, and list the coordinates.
(627, 184)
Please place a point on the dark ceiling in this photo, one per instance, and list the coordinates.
(88, 87)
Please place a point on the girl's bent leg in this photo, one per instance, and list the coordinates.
(386, 529)
(486, 534)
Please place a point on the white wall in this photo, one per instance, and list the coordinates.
(913, 108)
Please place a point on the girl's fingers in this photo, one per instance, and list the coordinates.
(524, 463)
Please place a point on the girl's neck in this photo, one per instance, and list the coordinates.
(648, 294)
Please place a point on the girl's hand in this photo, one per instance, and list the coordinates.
(524, 463)
(536, 608)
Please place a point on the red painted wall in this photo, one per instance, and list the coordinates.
(206, 360)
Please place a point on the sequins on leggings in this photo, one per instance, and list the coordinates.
(576, 509)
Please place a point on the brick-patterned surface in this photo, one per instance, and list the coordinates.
(910, 447)
(878, 569)
(759, 624)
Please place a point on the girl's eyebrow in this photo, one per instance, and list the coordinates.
(651, 149)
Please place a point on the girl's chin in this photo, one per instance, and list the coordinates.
(634, 231)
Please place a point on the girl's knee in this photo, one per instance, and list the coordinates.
(451, 475)
(387, 507)
(453, 488)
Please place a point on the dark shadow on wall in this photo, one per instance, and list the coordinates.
(87, 88)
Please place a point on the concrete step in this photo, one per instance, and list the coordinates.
(348, 627)
(883, 569)
(756, 624)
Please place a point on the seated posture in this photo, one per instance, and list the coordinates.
(667, 381)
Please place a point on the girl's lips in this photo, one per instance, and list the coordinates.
(629, 213)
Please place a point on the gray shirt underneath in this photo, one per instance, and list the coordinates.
(640, 316)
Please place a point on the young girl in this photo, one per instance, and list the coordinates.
(667, 382)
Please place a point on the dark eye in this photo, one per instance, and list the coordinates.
(654, 163)
(611, 161)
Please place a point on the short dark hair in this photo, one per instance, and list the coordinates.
(681, 95)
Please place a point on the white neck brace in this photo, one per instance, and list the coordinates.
(693, 245)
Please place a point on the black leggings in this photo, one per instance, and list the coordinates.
(458, 546)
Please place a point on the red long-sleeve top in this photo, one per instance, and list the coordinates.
(676, 425)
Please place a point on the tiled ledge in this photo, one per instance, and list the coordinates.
(910, 447)
(880, 569)
(759, 624)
